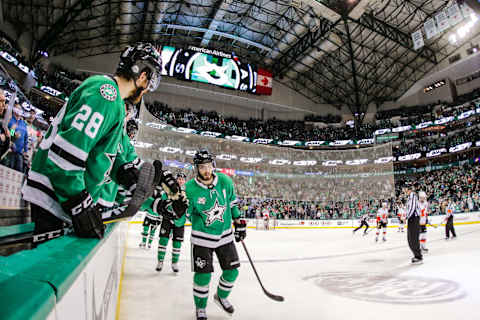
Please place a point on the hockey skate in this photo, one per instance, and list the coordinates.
(376, 239)
(416, 260)
(201, 314)
(149, 246)
(159, 266)
(424, 250)
(141, 245)
(175, 267)
(384, 239)
(224, 304)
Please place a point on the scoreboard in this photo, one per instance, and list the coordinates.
(209, 66)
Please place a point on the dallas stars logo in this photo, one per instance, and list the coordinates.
(106, 177)
(214, 214)
(108, 92)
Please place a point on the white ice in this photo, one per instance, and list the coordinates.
(323, 274)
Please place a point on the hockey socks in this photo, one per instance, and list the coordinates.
(162, 248)
(201, 283)
(145, 234)
(225, 285)
(176, 251)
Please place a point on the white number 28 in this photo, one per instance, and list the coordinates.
(93, 123)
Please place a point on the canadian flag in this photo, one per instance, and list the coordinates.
(264, 82)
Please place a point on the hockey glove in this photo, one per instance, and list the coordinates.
(240, 229)
(127, 176)
(86, 219)
(166, 181)
(180, 205)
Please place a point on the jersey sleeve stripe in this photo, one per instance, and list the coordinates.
(35, 176)
(73, 159)
(62, 163)
(39, 186)
(70, 148)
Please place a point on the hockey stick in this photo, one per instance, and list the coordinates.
(268, 294)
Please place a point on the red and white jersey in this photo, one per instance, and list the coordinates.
(265, 213)
(382, 215)
(423, 208)
(402, 213)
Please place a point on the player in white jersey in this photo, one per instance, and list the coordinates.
(423, 208)
(402, 217)
(382, 220)
(266, 217)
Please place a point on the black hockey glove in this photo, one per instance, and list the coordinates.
(240, 229)
(127, 175)
(165, 181)
(180, 205)
(86, 219)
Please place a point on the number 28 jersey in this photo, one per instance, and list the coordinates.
(80, 147)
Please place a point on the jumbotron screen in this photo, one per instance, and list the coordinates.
(209, 66)
(268, 172)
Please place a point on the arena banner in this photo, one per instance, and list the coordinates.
(11, 189)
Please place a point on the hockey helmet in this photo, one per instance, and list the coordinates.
(203, 156)
(132, 128)
(181, 175)
(142, 57)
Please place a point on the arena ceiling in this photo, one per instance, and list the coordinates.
(350, 52)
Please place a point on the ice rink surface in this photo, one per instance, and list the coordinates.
(323, 274)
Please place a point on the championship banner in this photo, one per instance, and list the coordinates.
(454, 14)
(264, 82)
(417, 38)
(430, 28)
(442, 21)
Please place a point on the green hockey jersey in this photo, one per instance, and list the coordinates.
(147, 206)
(80, 147)
(211, 211)
(125, 153)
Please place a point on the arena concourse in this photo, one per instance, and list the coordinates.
(349, 131)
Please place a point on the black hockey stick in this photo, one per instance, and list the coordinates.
(270, 295)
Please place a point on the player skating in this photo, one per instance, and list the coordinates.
(382, 221)
(78, 155)
(150, 223)
(363, 222)
(212, 207)
(402, 216)
(171, 227)
(423, 208)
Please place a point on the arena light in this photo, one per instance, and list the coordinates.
(460, 147)
(305, 163)
(384, 160)
(331, 163)
(156, 125)
(210, 134)
(250, 160)
(279, 162)
(263, 141)
(140, 144)
(226, 157)
(356, 162)
(410, 157)
(237, 138)
(436, 152)
(401, 129)
(170, 150)
(184, 130)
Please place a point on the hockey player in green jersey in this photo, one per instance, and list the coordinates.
(212, 207)
(150, 223)
(168, 227)
(77, 155)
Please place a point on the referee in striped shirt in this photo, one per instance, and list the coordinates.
(413, 218)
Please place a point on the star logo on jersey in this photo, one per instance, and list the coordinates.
(201, 263)
(108, 92)
(106, 177)
(214, 214)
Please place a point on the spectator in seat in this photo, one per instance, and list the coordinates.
(20, 137)
(4, 134)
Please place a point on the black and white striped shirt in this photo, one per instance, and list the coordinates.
(412, 205)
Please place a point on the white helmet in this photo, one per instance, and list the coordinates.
(422, 195)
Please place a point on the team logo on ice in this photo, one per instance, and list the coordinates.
(388, 288)
(201, 263)
(214, 214)
(108, 92)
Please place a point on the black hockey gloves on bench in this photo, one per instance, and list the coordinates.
(86, 218)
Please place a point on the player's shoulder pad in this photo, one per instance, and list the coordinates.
(104, 86)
